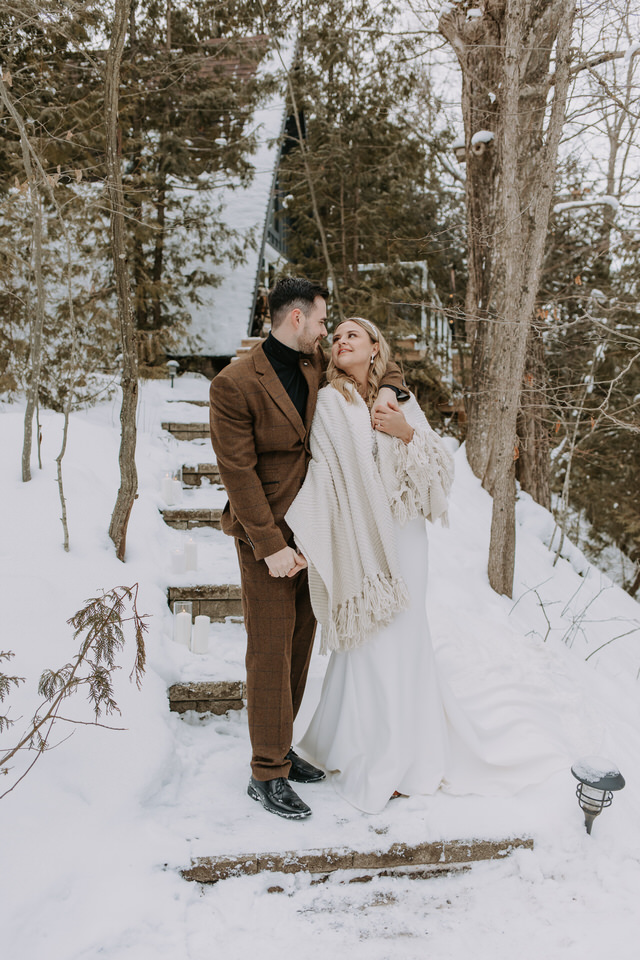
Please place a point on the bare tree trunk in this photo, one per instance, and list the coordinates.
(158, 260)
(69, 398)
(37, 323)
(505, 56)
(128, 474)
(532, 465)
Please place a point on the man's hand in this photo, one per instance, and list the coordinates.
(285, 563)
(301, 564)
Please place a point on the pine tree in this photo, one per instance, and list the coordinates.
(364, 103)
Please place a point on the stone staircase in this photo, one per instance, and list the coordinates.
(218, 601)
(194, 475)
(207, 696)
(188, 518)
(416, 860)
(187, 431)
(246, 345)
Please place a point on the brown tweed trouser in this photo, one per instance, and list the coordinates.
(280, 629)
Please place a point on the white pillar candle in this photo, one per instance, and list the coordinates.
(167, 490)
(177, 490)
(191, 554)
(178, 561)
(182, 628)
(200, 636)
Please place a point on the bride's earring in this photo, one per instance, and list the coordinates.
(373, 356)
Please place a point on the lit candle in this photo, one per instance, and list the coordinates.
(200, 637)
(182, 628)
(167, 489)
(178, 561)
(176, 486)
(191, 554)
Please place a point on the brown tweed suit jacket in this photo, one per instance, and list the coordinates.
(262, 445)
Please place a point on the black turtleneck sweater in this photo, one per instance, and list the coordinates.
(286, 363)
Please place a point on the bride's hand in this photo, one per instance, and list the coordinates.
(386, 398)
(391, 420)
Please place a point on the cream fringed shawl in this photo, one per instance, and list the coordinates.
(358, 481)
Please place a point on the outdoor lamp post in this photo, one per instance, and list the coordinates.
(597, 780)
(173, 366)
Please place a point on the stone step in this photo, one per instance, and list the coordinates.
(187, 518)
(423, 858)
(194, 474)
(247, 344)
(187, 431)
(209, 696)
(216, 601)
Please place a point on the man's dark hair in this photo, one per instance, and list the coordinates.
(290, 292)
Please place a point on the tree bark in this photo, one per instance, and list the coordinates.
(37, 323)
(128, 474)
(532, 464)
(505, 56)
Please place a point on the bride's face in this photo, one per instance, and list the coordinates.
(352, 347)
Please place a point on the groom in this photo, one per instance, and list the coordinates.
(261, 408)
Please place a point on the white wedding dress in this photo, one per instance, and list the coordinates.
(387, 721)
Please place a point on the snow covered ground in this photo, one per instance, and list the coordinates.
(92, 840)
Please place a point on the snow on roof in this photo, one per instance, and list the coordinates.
(222, 317)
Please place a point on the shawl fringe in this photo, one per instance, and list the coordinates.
(357, 617)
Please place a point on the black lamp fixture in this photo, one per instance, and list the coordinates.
(173, 367)
(598, 779)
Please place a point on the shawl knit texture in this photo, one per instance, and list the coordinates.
(358, 482)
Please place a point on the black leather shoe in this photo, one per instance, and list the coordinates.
(302, 771)
(277, 797)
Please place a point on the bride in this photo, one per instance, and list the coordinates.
(386, 723)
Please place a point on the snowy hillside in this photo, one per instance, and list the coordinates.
(93, 839)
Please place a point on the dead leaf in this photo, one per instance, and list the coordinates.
(8, 79)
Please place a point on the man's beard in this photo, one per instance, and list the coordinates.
(308, 345)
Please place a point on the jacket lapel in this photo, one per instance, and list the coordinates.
(311, 369)
(271, 383)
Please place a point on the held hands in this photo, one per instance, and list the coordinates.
(285, 563)
(387, 417)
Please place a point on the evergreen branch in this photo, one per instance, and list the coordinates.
(6, 683)
(101, 622)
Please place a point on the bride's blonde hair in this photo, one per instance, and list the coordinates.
(344, 383)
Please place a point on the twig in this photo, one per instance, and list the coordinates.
(618, 637)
